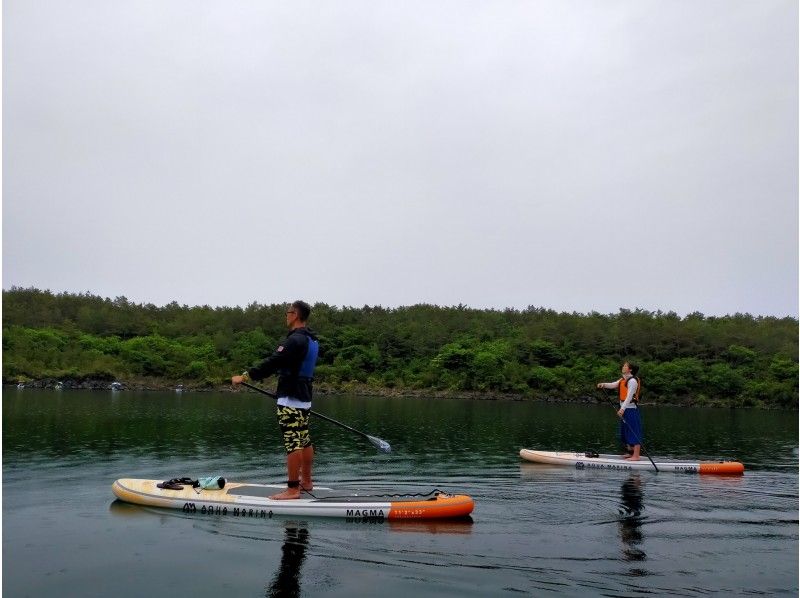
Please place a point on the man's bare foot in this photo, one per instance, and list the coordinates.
(307, 486)
(632, 458)
(288, 494)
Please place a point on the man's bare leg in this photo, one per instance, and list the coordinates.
(307, 461)
(293, 463)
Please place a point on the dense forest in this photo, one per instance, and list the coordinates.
(737, 360)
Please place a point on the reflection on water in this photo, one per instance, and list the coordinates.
(432, 526)
(119, 508)
(630, 522)
(286, 581)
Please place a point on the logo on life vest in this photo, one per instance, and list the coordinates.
(280, 348)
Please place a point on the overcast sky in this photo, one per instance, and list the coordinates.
(573, 155)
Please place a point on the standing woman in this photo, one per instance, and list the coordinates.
(629, 388)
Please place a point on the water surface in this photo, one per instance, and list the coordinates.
(536, 530)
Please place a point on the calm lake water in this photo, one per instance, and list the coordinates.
(536, 530)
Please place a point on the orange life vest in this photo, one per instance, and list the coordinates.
(623, 390)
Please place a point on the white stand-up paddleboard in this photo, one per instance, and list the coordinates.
(252, 500)
(619, 463)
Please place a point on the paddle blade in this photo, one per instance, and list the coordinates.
(379, 444)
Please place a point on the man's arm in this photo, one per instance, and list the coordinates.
(288, 353)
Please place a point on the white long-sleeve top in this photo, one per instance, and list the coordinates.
(632, 386)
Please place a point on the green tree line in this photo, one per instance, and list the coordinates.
(735, 360)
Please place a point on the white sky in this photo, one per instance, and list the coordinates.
(574, 155)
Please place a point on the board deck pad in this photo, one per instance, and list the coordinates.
(265, 491)
(319, 494)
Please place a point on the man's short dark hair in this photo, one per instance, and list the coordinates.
(303, 310)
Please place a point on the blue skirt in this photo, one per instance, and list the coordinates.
(632, 432)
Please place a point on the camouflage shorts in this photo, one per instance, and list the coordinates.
(294, 427)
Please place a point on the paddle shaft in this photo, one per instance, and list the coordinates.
(320, 415)
(638, 440)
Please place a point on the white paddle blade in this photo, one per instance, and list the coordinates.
(379, 444)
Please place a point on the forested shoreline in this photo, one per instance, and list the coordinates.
(737, 361)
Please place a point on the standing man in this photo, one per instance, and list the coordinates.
(631, 426)
(294, 362)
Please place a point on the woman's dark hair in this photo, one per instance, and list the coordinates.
(303, 310)
(633, 368)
